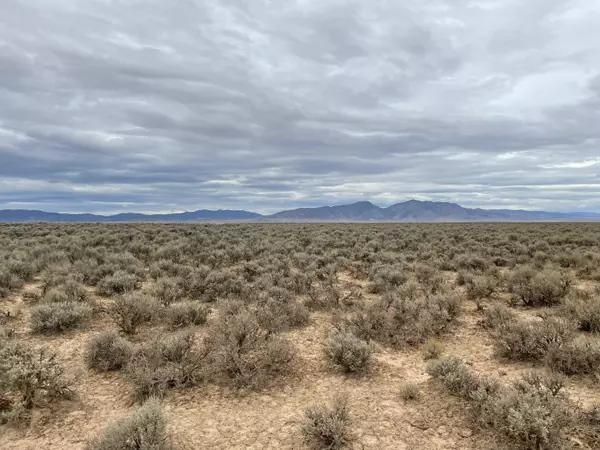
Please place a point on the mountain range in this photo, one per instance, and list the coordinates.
(409, 211)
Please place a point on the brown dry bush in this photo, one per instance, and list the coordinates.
(328, 427)
(119, 282)
(31, 375)
(532, 411)
(108, 351)
(480, 287)
(351, 354)
(145, 429)
(167, 290)
(58, 317)
(433, 349)
(244, 354)
(585, 312)
(400, 320)
(69, 291)
(410, 392)
(579, 357)
(498, 316)
(532, 341)
(186, 313)
(278, 310)
(430, 279)
(164, 363)
(131, 310)
(544, 288)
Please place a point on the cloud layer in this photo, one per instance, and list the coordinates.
(162, 105)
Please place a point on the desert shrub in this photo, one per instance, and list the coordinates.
(167, 290)
(13, 414)
(529, 412)
(325, 297)
(32, 374)
(498, 316)
(410, 392)
(472, 262)
(585, 312)
(281, 312)
(186, 313)
(54, 295)
(119, 282)
(579, 357)
(531, 341)
(432, 349)
(384, 278)
(129, 311)
(480, 287)
(8, 279)
(245, 354)
(544, 288)
(589, 425)
(145, 429)
(400, 319)
(455, 376)
(532, 411)
(351, 354)
(430, 279)
(446, 307)
(368, 323)
(58, 317)
(108, 351)
(328, 426)
(70, 291)
(463, 277)
(164, 363)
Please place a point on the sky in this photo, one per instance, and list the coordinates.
(170, 105)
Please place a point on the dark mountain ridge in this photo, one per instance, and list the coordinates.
(409, 211)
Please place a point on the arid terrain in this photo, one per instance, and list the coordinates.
(362, 336)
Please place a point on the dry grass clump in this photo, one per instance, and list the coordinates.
(532, 411)
(351, 354)
(108, 351)
(243, 353)
(145, 429)
(131, 310)
(410, 392)
(328, 427)
(59, 317)
(433, 349)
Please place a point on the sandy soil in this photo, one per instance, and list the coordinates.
(211, 417)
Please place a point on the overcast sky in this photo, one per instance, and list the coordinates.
(168, 105)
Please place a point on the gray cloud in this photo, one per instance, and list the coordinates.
(158, 105)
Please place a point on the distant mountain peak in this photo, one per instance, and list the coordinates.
(362, 211)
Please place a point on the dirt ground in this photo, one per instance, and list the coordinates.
(211, 417)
